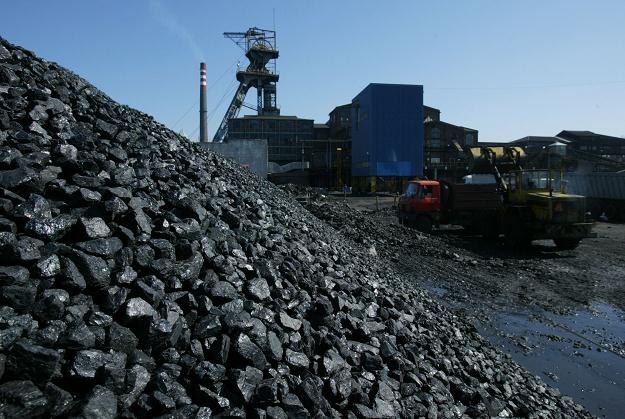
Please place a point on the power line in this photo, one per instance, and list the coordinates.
(194, 104)
(213, 112)
(536, 86)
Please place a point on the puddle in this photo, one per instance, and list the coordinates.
(583, 354)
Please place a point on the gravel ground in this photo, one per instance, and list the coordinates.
(559, 313)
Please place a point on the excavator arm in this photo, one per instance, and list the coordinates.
(496, 161)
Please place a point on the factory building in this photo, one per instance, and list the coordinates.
(387, 136)
(586, 151)
(287, 136)
(374, 143)
(443, 145)
(251, 154)
(330, 161)
(601, 145)
(340, 122)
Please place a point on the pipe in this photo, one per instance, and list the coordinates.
(203, 110)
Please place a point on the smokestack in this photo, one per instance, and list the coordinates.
(203, 111)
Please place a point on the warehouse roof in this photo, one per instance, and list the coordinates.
(588, 137)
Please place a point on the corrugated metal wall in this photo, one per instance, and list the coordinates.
(597, 185)
(387, 131)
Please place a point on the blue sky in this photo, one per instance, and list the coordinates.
(506, 68)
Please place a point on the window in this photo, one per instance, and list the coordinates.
(468, 139)
(253, 125)
(435, 133)
(435, 143)
(287, 126)
(269, 125)
(435, 160)
(412, 189)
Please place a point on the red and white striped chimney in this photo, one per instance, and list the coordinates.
(203, 110)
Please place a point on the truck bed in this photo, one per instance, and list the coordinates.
(467, 197)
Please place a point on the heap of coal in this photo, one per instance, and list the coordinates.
(142, 276)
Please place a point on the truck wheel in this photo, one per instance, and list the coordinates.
(566, 244)
(423, 224)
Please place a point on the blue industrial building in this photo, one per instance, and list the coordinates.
(387, 133)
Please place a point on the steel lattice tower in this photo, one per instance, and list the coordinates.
(260, 49)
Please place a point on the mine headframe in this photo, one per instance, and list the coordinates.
(260, 49)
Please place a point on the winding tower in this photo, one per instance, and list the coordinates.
(260, 49)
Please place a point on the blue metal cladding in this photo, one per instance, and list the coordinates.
(387, 130)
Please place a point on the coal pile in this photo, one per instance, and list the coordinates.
(363, 229)
(143, 276)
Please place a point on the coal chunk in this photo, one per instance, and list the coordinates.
(22, 399)
(13, 275)
(36, 206)
(49, 266)
(243, 383)
(50, 228)
(32, 362)
(249, 352)
(122, 339)
(79, 336)
(137, 308)
(20, 298)
(95, 270)
(296, 359)
(86, 363)
(258, 289)
(289, 322)
(26, 250)
(93, 228)
(223, 291)
(275, 346)
(137, 379)
(100, 403)
(70, 277)
(59, 401)
(105, 248)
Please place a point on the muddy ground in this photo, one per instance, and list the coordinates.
(561, 314)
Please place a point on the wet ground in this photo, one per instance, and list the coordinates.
(561, 314)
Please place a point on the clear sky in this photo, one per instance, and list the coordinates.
(507, 68)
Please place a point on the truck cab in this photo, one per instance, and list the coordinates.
(420, 205)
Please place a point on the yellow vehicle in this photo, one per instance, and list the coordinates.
(535, 204)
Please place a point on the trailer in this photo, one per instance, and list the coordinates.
(604, 192)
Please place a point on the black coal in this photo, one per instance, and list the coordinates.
(143, 276)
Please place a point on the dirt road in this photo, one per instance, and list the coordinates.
(561, 314)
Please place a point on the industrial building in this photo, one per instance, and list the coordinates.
(443, 145)
(384, 137)
(585, 151)
(387, 136)
(277, 139)
(602, 145)
(330, 159)
(340, 122)
(287, 136)
(251, 154)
